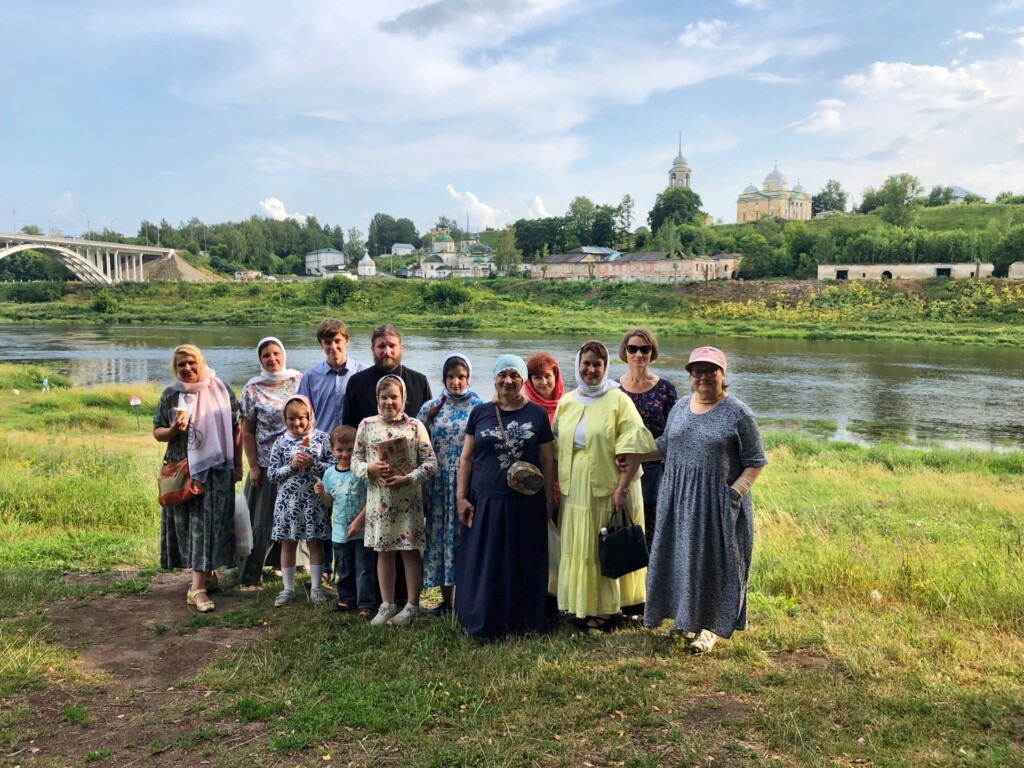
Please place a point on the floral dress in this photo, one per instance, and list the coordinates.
(199, 534)
(447, 434)
(263, 406)
(298, 512)
(394, 516)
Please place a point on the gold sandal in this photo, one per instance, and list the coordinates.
(199, 599)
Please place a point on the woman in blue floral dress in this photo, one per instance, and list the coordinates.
(445, 418)
(262, 423)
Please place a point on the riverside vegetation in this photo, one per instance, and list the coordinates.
(989, 311)
(886, 618)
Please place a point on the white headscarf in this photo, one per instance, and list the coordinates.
(585, 393)
(266, 377)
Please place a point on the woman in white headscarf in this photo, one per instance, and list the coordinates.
(263, 400)
(198, 417)
(593, 425)
(445, 418)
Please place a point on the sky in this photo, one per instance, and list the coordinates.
(115, 111)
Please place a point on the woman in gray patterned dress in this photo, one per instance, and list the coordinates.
(198, 417)
(703, 540)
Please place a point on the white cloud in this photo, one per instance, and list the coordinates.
(481, 215)
(969, 35)
(774, 79)
(946, 125)
(826, 118)
(537, 210)
(702, 34)
(757, 5)
(1019, 41)
(274, 209)
(938, 86)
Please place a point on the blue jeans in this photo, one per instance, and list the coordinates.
(356, 568)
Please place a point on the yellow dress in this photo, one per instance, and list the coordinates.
(587, 478)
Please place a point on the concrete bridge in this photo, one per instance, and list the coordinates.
(93, 262)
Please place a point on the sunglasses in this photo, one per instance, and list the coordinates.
(707, 373)
(644, 349)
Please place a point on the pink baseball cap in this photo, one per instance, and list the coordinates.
(707, 355)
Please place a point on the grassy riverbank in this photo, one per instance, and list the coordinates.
(886, 608)
(941, 311)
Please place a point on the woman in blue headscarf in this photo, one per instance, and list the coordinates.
(445, 418)
(501, 567)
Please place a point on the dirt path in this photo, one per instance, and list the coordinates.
(139, 650)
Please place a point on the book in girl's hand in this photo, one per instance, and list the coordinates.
(396, 453)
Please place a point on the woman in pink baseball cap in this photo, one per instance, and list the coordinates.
(703, 540)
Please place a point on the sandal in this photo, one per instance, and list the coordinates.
(199, 599)
(598, 624)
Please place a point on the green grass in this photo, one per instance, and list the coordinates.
(886, 617)
(987, 312)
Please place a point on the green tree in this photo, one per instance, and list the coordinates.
(355, 249)
(939, 195)
(679, 203)
(602, 231)
(406, 233)
(899, 196)
(1009, 251)
(31, 229)
(832, 197)
(381, 234)
(871, 200)
(507, 257)
(579, 222)
(624, 216)
(667, 239)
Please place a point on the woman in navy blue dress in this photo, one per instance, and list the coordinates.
(501, 569)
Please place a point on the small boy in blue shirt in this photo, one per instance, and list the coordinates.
(346, 494)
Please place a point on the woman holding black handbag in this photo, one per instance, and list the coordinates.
(594, 424)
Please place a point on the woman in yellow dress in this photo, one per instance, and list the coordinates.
(594, 424)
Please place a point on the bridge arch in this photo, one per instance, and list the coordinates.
(84, 269)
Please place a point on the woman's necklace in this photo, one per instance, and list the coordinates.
(713, 401)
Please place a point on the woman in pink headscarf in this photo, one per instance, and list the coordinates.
(544, 386)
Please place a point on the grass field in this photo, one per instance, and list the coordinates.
(886, 620)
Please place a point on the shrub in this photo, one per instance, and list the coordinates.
(335, 291)
(445, 294)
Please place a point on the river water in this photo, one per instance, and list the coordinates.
(960, 396)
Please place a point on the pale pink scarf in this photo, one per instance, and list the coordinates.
(211, 442)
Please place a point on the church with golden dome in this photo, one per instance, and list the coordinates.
(775, 198)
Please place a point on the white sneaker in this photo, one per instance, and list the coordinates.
(283, 598)
(404, 619)
(704, 642)
(317, 596)
(385, 612)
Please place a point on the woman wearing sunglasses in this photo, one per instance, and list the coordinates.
(700, 559)
(653, 397)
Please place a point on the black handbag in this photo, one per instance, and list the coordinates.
(622, 548)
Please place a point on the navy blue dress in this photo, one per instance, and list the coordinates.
(501, 569)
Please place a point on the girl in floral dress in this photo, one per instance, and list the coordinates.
(299, 459)
(445, 418)
(393, 453)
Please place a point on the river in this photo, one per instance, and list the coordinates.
(958, 396)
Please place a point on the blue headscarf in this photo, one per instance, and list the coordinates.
(469, 371)
(510, 362)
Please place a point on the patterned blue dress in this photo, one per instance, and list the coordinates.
(447, 434)
(298, 512)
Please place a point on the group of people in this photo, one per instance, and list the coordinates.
(393, 490)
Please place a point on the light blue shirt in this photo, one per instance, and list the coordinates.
(348, 493)
(325, 388)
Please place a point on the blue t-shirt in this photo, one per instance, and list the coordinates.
(349, 495)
